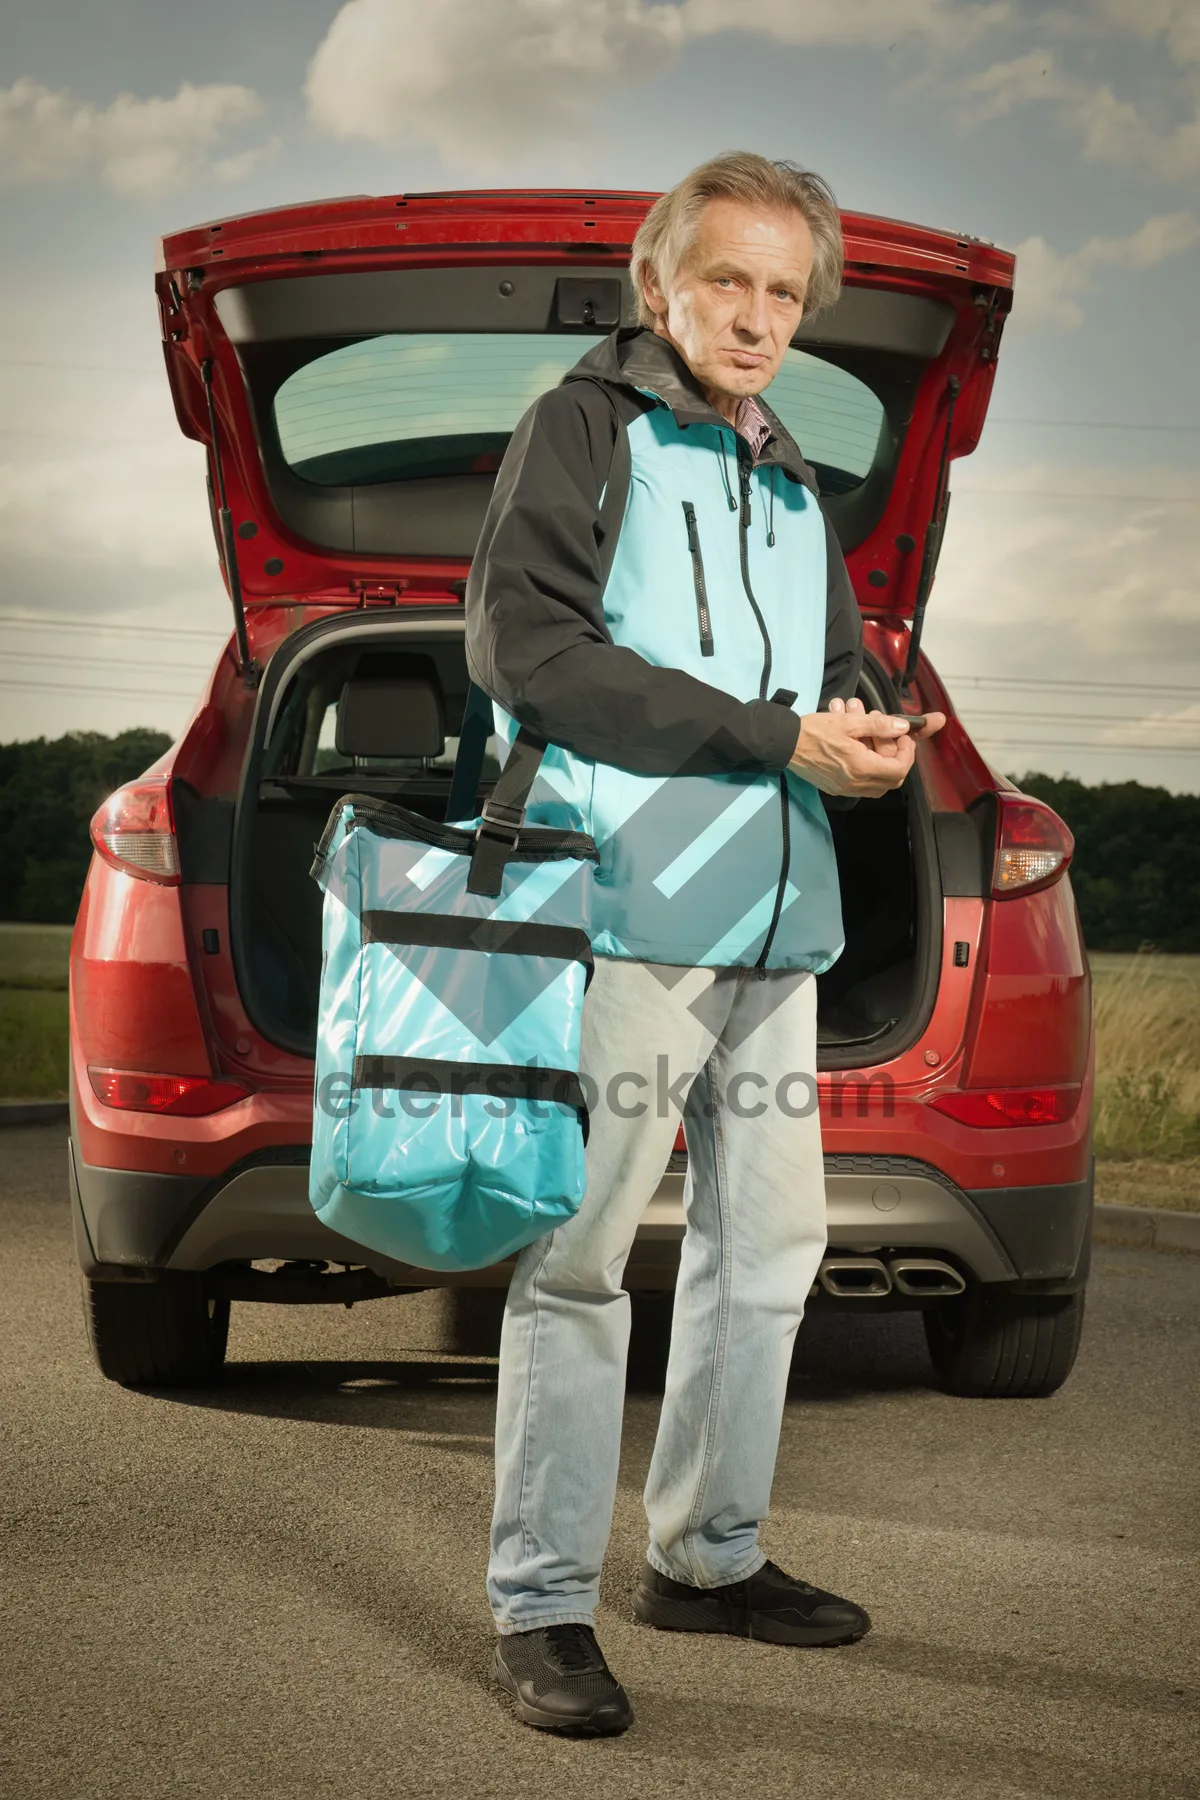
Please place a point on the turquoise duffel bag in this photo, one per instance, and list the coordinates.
(449, 1121)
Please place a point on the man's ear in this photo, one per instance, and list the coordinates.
(653, 295)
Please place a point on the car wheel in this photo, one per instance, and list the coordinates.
(164, 1333)
(1004, 1346)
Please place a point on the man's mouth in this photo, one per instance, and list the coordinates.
(746, 359)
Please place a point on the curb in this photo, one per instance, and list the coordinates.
(33, 1112)
(1147, 1228)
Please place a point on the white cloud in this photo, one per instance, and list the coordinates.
(112, 532)
(999, 89)
(1176, 20)
(1112, 130)
(1049, 281)
(141, 148)
(478, 77)
(94, 508)
(880, 24)
(244, 162)
(1079, 573)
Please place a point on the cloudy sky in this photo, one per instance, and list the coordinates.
(1067, 608)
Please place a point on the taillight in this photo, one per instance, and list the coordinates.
(1009, 1106)
(1033, 846)
(183, 1096)
(135, 831)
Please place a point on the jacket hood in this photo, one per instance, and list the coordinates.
(636, 360)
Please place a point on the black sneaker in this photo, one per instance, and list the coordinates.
(559, 1681)
(767, 1605)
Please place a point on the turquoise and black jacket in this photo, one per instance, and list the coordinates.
(666, 667)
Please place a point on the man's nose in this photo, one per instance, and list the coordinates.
(753, 319)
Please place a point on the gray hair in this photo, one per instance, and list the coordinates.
(668, 231)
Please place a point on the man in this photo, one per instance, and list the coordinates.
(677, 662)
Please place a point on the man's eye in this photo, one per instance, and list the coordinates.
(725, 281)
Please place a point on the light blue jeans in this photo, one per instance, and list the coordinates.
(737, 1055)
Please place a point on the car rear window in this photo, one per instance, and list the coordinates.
(414, 405)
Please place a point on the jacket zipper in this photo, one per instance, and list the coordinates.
(703, 616)
(760, 967)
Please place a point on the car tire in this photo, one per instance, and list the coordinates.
(1004, 1346)
(164, 1333)
(476, 1315)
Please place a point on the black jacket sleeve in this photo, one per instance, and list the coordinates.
(536, 637)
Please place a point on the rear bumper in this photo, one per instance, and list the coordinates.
(131, 1221)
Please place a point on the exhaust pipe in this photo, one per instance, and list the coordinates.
(924, 1275)
(854, 1277)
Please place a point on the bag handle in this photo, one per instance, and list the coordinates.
(503, 813)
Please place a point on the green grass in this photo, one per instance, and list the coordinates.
(34, 956)
(1144, 969)
(33, 1044)
(1173, 1186)
(33, 1011)
(1147, 1058)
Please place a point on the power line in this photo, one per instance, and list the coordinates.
(108, 662)
(1087, 424)
(34, 362)
(991, 493)
(88, 437)
(1050, 681)
(1069, 747)
(1051, 718)
(59, 620)
(99, 693)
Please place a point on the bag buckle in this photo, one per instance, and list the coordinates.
(500, 821)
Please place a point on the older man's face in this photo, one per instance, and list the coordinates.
(733, 307)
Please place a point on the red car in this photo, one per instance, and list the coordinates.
(355, 368)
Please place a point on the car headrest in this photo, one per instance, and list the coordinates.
(393, 707)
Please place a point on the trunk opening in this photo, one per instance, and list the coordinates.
(374, 706)
(877, 998)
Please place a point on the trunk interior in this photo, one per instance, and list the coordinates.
(374, 708)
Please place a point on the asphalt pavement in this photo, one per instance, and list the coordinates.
(275, 1587)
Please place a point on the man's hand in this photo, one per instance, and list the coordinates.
(852, 752)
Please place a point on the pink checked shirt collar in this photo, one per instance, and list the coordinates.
(751, 424)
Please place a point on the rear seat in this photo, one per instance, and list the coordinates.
(393, 708)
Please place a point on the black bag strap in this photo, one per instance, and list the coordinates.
(498, 1081)
(495, 937)
(473, 734)
(503, 813)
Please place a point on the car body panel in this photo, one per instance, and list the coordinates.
(1036, 992)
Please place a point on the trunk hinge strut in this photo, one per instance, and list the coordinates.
(248, 669)
(933, 540)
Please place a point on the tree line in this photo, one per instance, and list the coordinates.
(49, 790)
(1136, 872)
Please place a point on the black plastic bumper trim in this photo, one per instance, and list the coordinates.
(135, 1219)
(1045, 1230)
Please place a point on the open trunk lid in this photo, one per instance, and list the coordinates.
(362, 362)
